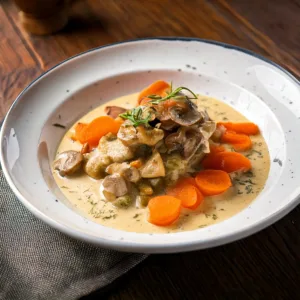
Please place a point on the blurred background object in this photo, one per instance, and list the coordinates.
(43, 17)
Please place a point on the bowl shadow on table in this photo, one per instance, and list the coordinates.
(263, 264)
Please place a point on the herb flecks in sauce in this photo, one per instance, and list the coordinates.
(218, 208)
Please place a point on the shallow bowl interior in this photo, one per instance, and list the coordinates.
(264, 93)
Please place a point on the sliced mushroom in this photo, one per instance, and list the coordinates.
(114, 111)
(112, 147)
(192, 142)
(153, 167)
(168, 125)
(114, 185)
(175, 141)
(132, 136)
(187, 140)
(185, 116)
(68, 162)
(125, 170)
(96, 164)
(207, 129)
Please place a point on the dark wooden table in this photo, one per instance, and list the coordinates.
(267, 263)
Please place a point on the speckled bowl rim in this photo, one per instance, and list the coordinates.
(128, 246)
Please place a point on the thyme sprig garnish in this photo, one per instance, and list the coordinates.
(135, 115)
(156, 99)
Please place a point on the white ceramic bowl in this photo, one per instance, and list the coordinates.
(258, 88)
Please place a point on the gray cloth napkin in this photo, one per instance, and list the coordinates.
(38, 262)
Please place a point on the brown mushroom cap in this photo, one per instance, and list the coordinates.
(115, 184)
(185, 115)
(114, 111)
(68, 162)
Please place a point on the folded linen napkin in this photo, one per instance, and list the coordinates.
(38, 262)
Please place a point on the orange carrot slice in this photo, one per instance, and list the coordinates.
(79, 129)
(164, 210)
(244, 128)
(91, 133)
(240, 142)
(200, 199)
(213, 182)
(187, 191)
(227, 161)
(215, 148)
(175, 189)
(158, 87)
(190, 196)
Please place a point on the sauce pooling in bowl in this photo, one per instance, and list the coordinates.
(86, 193)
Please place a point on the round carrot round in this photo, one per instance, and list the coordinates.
(188, 196)
(213, 182)
(227, 161)
(79, 129)
(175, 189)
(200, 199)
(244, 128)
(98, 128)
(187, 191)
(164, 210)
(240, 142)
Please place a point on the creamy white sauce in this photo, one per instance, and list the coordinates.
(83, 191)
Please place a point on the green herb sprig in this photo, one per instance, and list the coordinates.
(156, 99)
(135, 115)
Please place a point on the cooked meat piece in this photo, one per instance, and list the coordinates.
(68, 162)
(112, 147)
(96, 164)
(149, 136)
(132, 136)
(125, 170)
(114, 111)
(153, 167)
(114, 185)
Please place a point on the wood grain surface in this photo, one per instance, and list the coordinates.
(266, 264)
